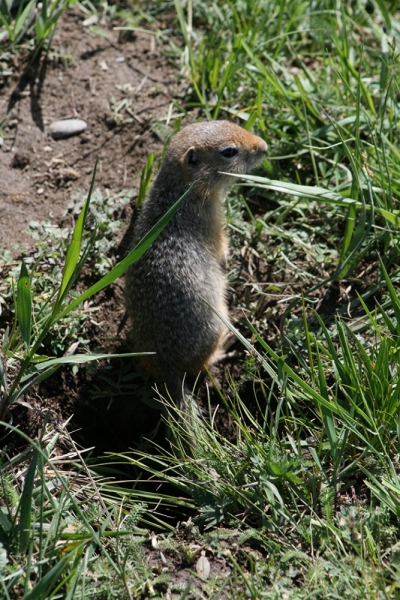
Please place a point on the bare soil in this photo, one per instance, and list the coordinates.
(85, 76)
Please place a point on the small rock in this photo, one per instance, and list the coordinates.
(40, 191)
(48, 149)
(92, 20)
(4, 37)
(66, 128)
(154, 541)
(203, 566)
(17, 197)
(120, 59)
(103, 65)
(85, 138)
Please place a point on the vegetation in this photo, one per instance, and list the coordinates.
(302, 499)
(28, 21)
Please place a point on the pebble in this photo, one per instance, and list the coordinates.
(66, 128)
(203, 566)
(92, 20)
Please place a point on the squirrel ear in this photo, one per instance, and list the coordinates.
(191, 157)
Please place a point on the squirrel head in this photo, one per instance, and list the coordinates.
(203, 152)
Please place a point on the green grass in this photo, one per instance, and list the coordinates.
(30, 23)
(302, 499)
(56, 522)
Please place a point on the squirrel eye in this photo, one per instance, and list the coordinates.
(229, 152)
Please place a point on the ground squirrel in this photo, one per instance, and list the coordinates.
(166, 288)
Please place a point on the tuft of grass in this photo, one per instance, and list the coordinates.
(59, 521)
(37, 22)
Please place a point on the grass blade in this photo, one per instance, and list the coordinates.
(74, 248)
(25, 508)
(327, 415)
(145, 179)
(3, 380)
(40, 590)
(392, 293)
(24, 305)
(81, 359)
